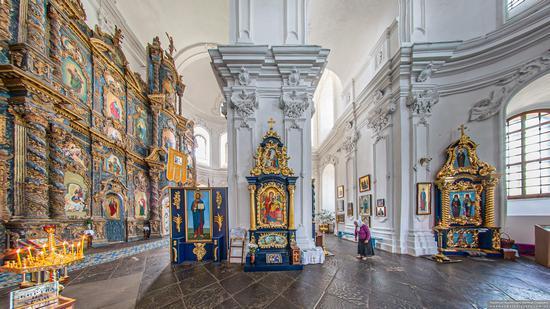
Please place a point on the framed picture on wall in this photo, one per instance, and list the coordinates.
(365, 204)
(350, 209)
(340, 206)
(364, 183)
(423, 198)
(340, 218)
(340, 191)
(380, 208)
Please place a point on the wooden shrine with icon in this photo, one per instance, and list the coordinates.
(271, 186)
(198, 224)
(465, 202)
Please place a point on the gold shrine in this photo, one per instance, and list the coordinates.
(465, 212)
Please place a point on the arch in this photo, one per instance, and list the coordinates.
(202, 148)
(328, 188)
(224, 150)
(327, 100)
(531, 94)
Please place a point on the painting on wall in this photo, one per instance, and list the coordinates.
(168, 139)
(76, 193)
(198, 215)
(340, 191)
(112, 206)
(140, 127)
(364, 183)
(365, 204)
(73, 77)
(423, 198)
(380, 208)
(113, 165)
(340, 218)
(350, 209)
(340, 206)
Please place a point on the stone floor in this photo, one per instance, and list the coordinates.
(147, 280)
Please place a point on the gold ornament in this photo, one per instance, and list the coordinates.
(219, 199)
(178, 220)
(219, 220)
(199, 251)
(177, 200)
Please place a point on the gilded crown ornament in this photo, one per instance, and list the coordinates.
(271, 156)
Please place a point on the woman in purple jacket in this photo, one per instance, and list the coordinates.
(364, 245)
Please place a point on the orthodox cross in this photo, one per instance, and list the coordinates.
(271, 123)
(462, 128)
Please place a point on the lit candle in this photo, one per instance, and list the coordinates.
(30, 252)
(65, 248)
(19, 256)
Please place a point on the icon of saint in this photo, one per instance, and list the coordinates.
(197, 208)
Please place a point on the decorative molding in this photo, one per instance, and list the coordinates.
(294, 104)
(425, 74)
(379, 118)
(329, 159)
(244, 77)
(244, 103)
(421, 102)
(490, 106)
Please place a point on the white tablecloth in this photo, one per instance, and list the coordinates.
(313, 256)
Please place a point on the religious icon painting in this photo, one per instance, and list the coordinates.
(168, 139)
(463, 203)
(365, 204)
(113, 165)
(340, 191)
(364, 183)
(423, 198)
(76, 194)
(198, 215)
(140, 127)
(140, 204)
(73, 77)
(271, 208)
(350, 209)
(462, 159)
(380, 208)
(114, 108)
(111, 206)
(341, 206)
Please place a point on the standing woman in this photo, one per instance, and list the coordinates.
(364, 245)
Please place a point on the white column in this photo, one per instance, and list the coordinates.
(260, 83)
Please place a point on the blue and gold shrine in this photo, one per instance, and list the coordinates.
(272, 231)
(198, 218)
(465, 202)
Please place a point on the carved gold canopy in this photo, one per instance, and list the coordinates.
(465, 148)
(271, 157)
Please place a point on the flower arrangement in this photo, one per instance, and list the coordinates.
(252, 247)
(325, 217)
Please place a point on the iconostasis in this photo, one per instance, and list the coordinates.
(83, 139)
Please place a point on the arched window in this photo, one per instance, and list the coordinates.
(328, 187)
(528, 155)
(202, 151)
(223, 150)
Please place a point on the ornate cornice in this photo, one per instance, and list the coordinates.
(490, 106)
(380, 117)
(420, 102)
(244, 102)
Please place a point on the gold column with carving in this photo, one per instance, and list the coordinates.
(490, 185)
(252, 190)
(291, 207)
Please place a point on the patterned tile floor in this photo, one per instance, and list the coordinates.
(147, 280)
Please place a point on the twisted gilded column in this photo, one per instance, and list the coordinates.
(57, 171)
(36, 178)
(55, 38)
(291, 207)
(154, 219)
(252, 190)
(490, 185)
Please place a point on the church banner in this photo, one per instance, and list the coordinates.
(176, 169)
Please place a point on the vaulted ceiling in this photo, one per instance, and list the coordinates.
(349, 28)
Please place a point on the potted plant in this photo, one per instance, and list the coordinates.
(325, 218)
(252, 247)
